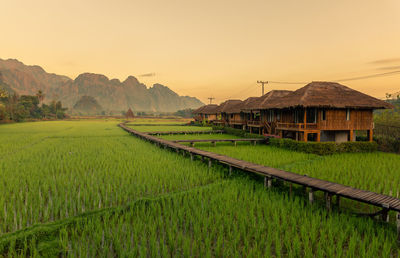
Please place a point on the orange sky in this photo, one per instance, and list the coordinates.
(205, 48)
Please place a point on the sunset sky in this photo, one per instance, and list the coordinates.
(217, 48)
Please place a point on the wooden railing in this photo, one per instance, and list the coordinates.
(236, 121)
(254, 122)
(298, 126)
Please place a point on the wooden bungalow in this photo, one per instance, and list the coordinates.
(206, 113)
(222, 116)
(258, 119)
(323, 111)
(236, 117)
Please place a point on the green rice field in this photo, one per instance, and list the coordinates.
(87, 188)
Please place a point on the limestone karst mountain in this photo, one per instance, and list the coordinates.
(112, 95)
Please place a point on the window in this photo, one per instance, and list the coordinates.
(231, 116)
(323, 114)
(348, 114)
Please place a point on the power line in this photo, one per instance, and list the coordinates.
(262, 83)
(345, 79)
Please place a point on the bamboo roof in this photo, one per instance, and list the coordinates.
(229, 105)
(207, 109)
(259, 102)
(326, 94)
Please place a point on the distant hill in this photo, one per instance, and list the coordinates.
(112, 95)
(87, 105)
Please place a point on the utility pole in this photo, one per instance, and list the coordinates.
(211, 99)
(262, 83)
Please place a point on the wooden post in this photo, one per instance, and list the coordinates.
(214, 143)
(269, 182)
(370, 135)
(351, 135)
(305, 118)
(230, 170)
(290, 189)
(319, 136)
(192, 144)
(305, 136)
(398, 227)
(311, 195)
(338, 201)
(385, 215)
(209, 163)
(328, 199)
(191, 156)
(265, 181)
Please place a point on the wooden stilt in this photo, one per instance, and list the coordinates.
(398, 227)
(328, 200)
(338, 201)
(290, 189)
(209, 163)
(191, 156)
(269, 182)
(311, 196)
(265, 181)
(230, 170)
(385, 213)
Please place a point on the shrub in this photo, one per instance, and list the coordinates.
(237, 132)
(324, 148)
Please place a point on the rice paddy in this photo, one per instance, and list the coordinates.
(87, 188)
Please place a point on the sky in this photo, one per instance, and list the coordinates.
(210, 48)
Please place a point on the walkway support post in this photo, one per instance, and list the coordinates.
(385, 214)
(398, 227)
(311, 196)
(209, 163)
(269, 182)
(230, 170)
(328, 199)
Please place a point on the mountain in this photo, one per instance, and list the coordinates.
(112, 95)
(87, 105)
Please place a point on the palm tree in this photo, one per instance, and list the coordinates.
(40, 95)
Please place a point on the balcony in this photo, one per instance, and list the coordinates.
(236, 122)
(297, 126)
(254, 123)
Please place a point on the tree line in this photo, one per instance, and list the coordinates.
(15, 108)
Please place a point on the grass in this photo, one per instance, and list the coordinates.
(87, 188)
(167, 128)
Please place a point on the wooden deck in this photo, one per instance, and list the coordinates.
(330, 188)
(184, 132)
(253, 141)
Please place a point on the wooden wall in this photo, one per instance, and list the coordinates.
(336, 120)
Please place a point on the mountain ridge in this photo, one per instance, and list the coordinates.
(112, 94)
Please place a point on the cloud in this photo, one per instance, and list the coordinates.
(396, 67)
(147, 75)
(385, 61)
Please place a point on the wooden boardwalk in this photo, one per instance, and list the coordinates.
(184, 132)
(253, 141)
(385, 202)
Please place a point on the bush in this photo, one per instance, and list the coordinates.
(237, 132)
(324, 148)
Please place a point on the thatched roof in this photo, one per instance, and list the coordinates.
(228, 106)
(329, 95)
(207, 109)
(259, 102)
(240, 106)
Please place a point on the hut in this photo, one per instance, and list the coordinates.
(236, 116)
(224, 112)
(258, 119)
(323, 111)
(206, 113)
(129, 114)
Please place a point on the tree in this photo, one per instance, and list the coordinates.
(40, 96)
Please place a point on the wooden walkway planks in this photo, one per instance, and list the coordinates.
(368, 197)
(183, 132)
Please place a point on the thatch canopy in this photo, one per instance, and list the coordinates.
(207, 109)
(240, 106)
(326, 95)
(259, 102)
(228, 106)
